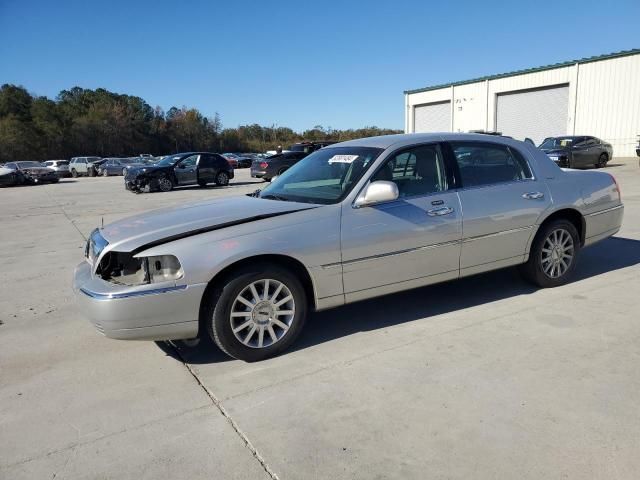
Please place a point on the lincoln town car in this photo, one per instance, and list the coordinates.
(351, 221)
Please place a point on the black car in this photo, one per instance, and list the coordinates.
(577, 151)
(10, 177)
(34, 172)
(118, 166)
(309, 147)
(192, 168)
(267, 168)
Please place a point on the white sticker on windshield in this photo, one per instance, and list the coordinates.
(343, 158)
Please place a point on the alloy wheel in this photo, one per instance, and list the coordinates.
(165, 184)
(223, 178)
(262, 313)
(557, 253)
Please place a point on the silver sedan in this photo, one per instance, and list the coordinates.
(351, 221)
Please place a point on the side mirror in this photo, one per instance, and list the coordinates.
(377, 192)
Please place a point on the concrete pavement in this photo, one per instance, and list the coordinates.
(485, 377)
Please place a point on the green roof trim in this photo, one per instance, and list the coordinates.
(597, 58)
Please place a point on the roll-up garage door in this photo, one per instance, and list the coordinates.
(432, 117)
(535, 114)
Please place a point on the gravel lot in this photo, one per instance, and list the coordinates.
(480, 378)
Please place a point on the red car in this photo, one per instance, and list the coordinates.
(232, 158)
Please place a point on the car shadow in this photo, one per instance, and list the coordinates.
(607, 256)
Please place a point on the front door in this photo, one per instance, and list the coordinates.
(186, 171)
(501, 200)
(412, 241)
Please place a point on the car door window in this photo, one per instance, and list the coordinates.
(417, 171)
(189, 161)
(486, 164)
(591, 142)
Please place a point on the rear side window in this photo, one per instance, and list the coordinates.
(488, 163)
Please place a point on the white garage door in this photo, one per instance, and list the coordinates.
(432, 117)
(535, 114)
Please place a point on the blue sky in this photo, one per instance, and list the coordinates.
(340, 64)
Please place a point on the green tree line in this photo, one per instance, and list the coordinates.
(99, 122)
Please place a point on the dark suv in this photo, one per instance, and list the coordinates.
(192, 168)
(267, 168)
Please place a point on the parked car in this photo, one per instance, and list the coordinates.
(10, 177)
(277, 164)
(118, 166)
(577, 151)
(351, 221)
(61, 167)
(193, 168)
(84, 166)
(232, 158)
(34, 172)
(309, 147)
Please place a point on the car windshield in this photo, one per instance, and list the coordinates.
(28, 164)
(557, 142)
(326, 176)
(169, 161)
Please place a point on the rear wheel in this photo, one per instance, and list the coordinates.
(257, 313)
(165, 184)
(602, 161)
(222, 179)
(553, 254)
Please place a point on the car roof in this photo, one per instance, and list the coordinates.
(407, 139)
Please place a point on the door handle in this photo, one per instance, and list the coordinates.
(533, 195)
(438, 212)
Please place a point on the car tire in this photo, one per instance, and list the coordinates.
(124, 172)
(262, 322)
(553, 254)
(222, 179)
(74, 174)
(282, 170)
(602, 160)
(165, 184)
(105, 172)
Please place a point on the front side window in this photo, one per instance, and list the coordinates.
(486, 163)
(189, 161)
(326, 176)
(417, 171)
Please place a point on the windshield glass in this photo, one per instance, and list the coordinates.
(558, 142)
(28, 164)
(326, 176)
(170, 160)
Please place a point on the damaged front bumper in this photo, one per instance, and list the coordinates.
(145, 312)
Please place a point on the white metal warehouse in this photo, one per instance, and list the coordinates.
(597, 96)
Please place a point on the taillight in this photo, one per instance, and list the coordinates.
(264, 164)
(617, 187)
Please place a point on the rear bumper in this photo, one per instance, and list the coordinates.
(257, 173)
(135, 313)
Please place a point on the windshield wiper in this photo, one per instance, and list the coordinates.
(271, 196)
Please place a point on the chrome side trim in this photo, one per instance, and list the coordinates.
(141, 293)
(392, 254)
(605, 211)
(496, 234)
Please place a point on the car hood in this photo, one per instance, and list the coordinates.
(38, 170)
(138, 169)
(153, 228)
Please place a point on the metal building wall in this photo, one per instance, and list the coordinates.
(604, 100)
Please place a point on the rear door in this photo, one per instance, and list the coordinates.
(580, 153)
(207, 168)
(186, 170)
(501, 199)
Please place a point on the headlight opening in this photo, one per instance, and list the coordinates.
(125, 269)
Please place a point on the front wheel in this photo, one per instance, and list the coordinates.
(165, 184)
(257, 313)
(74, 174)
(553, 255)
(222, 179)
(105, 173)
